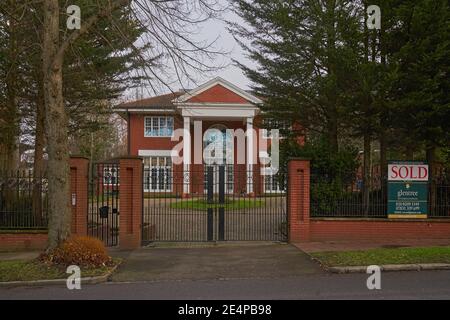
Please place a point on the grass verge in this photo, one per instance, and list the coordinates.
(384, 256)
(201, 204)
(30, 270)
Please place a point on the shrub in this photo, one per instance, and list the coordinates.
(82, 251)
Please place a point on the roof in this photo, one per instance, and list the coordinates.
(214, 82)
(162, 101)
(171, 100)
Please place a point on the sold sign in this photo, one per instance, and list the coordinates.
(408, 172)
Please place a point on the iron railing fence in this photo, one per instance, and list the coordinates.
(343, 195)
(104, 203)
(439, 195)
(213, 203)
(23, 200)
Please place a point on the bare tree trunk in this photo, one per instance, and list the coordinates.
(39, 143)
(383, 167)
(56, 130)
(383, 154)
(12, 117)
(332, 112)
(91, 155)
(333, 134)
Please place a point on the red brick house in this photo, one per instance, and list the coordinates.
(217, 104)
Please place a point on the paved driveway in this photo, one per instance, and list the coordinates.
(230, 261)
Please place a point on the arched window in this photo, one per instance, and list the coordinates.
(222, 139)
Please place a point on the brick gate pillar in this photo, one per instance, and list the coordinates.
(130, 197)
(298, 199)
(79, 175)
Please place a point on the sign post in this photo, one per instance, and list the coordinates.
(407, 189)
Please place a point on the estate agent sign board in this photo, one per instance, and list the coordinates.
(407, 189)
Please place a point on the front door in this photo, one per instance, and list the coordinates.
(218, 153)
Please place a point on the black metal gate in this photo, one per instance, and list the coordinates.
(103, 203)
(213, 203)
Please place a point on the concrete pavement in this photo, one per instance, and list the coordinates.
(234, 272)
(268, 260)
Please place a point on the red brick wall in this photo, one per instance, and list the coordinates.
(23, 241)
(298, 200)
(304, 228)
(218, 94)
(38, 239)
(138, 141)
(130, 191)
(79, 171)
(351, 229)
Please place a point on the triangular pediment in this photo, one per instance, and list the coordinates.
(219, 91)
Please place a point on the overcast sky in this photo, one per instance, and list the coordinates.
(209, 31)
(216, 28)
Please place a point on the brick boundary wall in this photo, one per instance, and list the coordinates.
(10, 241)
(355, 229)
(37, 239)
(302, 228)
(79, 175)
(130, 190)
(298, 199)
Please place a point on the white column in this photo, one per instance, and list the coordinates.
(250, 155)
(186, 153)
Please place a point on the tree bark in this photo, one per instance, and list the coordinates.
(56, 130)
(11, 139)
(333, 134)
(56, 120)
(383, 167)
(333, 115)
(10, 149)
(383, 154)
(39, 144)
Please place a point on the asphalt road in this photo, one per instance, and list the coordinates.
(394, 285)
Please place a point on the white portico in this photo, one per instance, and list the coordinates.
(217, 101)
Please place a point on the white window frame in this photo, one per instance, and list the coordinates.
(270, 183)
(270, 177)
(267, 133)
(110, 175)
(168, 178)
(151, 118)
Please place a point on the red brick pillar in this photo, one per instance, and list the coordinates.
(79, 175)
(130, 193)
(298, 199)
